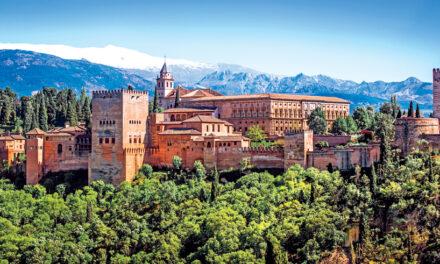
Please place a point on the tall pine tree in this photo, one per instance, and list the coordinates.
(177, 99)
(71, 116)
(42, 114)
(411, 110)
(418, 115)
(155, 102)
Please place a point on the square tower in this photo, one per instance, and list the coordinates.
(119, 126)
(436, 92)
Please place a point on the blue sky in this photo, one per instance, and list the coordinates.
(358, 40)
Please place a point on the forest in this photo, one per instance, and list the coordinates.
(45, 109)
(387, 215)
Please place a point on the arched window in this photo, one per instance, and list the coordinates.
(60, 149)
(209, 145)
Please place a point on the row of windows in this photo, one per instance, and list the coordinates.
(107, 122)
(167, 84)
(221, 144)
(248, 113)
(106, 140)
(135, 140)
(135, 122)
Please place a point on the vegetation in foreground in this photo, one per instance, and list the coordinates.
(301, 216)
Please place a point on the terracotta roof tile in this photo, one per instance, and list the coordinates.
(180, 131)
(36, 131)
(187, 110)
(205, 119)
(296, 97)
(18, 137)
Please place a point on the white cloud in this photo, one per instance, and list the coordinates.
(109, 55)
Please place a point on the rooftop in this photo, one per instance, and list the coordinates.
(186, 110)
(180, 131)
(205, 119)
(36, 131)
(274, 96)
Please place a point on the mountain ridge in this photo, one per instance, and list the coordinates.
(28, 71)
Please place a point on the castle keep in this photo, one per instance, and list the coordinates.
(119, 130)
(208, 127)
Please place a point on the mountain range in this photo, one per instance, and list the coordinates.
(27, 71)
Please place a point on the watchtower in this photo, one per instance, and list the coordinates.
(119, 126)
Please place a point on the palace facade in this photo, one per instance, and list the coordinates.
(206, 127)
(277, 114)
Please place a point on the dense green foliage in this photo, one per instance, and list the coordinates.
(345, 125)
(184, 217)
(46, 109)
(317, 122)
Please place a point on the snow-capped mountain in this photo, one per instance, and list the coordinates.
(109, 55)
(228, 82)
(185, 71)
(26, 71)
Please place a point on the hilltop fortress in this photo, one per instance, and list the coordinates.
(208, 127)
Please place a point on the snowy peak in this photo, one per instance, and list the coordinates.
(109, 55)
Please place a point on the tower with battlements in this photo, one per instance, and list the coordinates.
(164, 84)
(119, 128)
(436, 92)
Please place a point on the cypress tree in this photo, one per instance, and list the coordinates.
(28, 114)
(270, 254)
(411, 110)
(71, 114)
(155, 102)
(86, 111)
(214, 187)
(399, 114)
(81, 104)
(177, 99)
(42, 114)
(418, 111)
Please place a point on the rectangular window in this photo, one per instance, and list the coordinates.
(106, 140)
(113, 140)
(100, 140)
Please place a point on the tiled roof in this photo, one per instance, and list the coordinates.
(18, 137)
(193, 93)
(6, 138)
(186, 110)
(36, 131)
(68, 129)
(59, 134)
(295, 97)
(179, 131)
(205, 119)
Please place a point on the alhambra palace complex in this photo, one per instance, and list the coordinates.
(207, 126)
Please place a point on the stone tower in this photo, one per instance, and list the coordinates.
(164, 84)
(436, 92)
(34, 156)
(119, 127)
(296, 146)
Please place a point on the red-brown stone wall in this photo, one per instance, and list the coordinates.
(410, 130)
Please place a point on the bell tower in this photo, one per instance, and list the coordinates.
(436, 92)
(164, 84)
